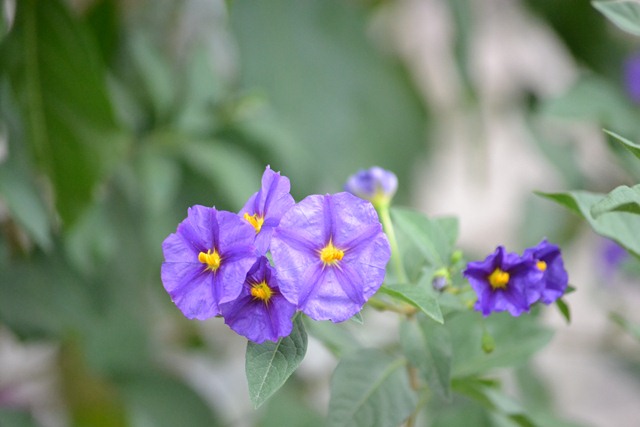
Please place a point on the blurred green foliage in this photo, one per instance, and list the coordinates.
(116, 116)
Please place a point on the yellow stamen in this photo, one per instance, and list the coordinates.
(261, 291)
(211, 258)
(498, 279)
(255, 220)
(542, 266)
(330, 255)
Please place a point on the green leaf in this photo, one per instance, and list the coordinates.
(23, 200)
(421, 296)
(621, 199)
(370, 388)
(624, 13)
(427, 345)
(564, 309)
(623, 227)
(435, 238)
(59, 82)
(629, 145)
(268, 365)
(357, 318)
(516, 340)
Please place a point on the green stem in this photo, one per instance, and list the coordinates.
(385, 219)
(380, 305)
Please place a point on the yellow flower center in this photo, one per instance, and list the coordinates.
(261, 291)
(211, 258)
(542, 266)
(498, 279)
(330, 255)
(255, 220)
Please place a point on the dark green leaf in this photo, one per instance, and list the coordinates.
(564, 309)
(623, 227)
(427, 345)
(268, 365)
(624, 13)
(370, 388)
(59, 83)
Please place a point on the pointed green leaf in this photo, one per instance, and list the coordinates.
(357, 318)
(564, 309)
(268, 365)
(621, 199)
(60, 86)
(623, 227)
(427, 345)
(624, 13)
(421, 296)
(629, 145)
(370, 389)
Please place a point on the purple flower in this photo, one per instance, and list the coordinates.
(504, 282)
(375, 184)
(264, 209)
(612, 257)
(330, 254)
(206, 261)
(632, 77)
(549, 260)
(260, 312)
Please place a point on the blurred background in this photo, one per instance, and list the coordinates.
(117, 115)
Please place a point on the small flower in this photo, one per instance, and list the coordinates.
(207, 260)
(612, 258)
(504, 282)
(330, 254)
(632, 77)
(264, 209)
(375, 184)
(260, 312)
(549, 260)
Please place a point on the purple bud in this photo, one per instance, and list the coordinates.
(375, 184)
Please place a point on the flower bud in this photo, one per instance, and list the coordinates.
(375, 184)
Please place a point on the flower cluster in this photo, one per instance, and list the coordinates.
(329, 257)
(510, 282)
